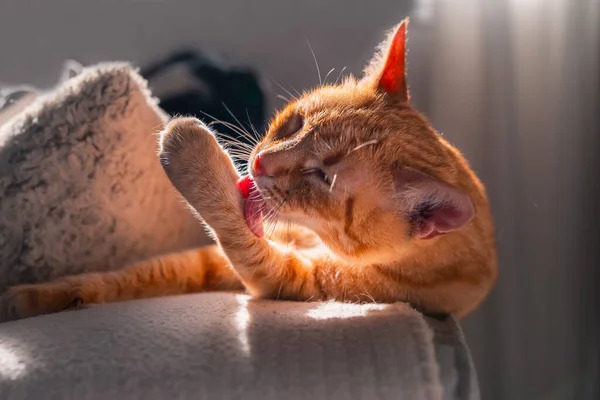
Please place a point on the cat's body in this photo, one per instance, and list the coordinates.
(371, 204)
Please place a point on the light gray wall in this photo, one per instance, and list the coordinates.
(36, 36)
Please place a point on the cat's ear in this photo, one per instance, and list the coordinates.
(387, 70)
(433, 207)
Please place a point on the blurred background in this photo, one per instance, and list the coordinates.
(513, 83)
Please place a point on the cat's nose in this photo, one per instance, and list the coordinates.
(272, 164)
(258, 166)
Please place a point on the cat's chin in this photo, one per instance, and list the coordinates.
(254, 205)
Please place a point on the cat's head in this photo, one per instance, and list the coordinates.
(358, 165)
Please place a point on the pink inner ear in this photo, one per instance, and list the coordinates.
(444, 218)
(434, 207)
(393, 77)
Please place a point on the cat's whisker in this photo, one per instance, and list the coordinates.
(326, 76)
(271, 212)
(241, 132)
(283, 98)
(284, 89)
(256, 134)
(235, 140)
(267, 229)
(274, 227)
(294, 89)
(226, 140)
(272, 215)
(233, 128)
(247, 134)
(255, 194)
(261, 210)
(333, 183)
(272, 230)
(236, 153)
(235, 145)
(230, 136)
(238, 162)
(339, 76)
(229, 125)
(316, 63)
(239, 157)
(216, 120)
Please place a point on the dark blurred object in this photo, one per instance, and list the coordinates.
(190, 83)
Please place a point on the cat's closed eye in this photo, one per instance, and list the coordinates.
(317, 172)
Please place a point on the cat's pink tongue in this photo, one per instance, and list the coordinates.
(253, 205)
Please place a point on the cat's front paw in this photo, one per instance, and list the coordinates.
(199, 168)
(26, 301)
(185, 142)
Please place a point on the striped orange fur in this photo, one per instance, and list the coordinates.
(371, 204)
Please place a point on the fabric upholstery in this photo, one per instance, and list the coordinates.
(226, 345)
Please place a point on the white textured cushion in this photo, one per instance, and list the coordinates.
(224, 345)
(81, 187)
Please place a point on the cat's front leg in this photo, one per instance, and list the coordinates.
(203, 173)
(205, 176)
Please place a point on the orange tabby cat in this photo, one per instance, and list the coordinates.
(379, 208)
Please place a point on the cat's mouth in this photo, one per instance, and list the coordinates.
(254, 205)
